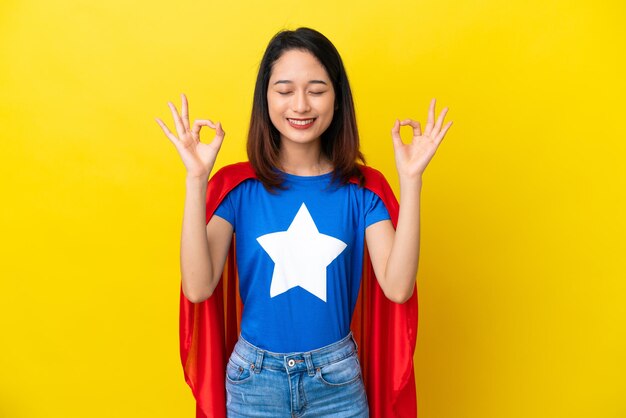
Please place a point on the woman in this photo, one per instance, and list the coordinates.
(302, 210)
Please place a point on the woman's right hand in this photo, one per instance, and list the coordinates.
(199, 158)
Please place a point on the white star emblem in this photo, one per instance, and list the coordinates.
(301, 255)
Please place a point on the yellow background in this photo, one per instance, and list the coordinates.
(522, 276)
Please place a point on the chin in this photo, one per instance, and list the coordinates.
(307, 140)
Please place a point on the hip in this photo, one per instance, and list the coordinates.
(323, 382)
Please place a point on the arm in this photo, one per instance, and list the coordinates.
(395, 254)
(202, 253)
(203, 248)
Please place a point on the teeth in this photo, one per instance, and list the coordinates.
(301, 122)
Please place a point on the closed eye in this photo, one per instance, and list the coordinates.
(317, 93)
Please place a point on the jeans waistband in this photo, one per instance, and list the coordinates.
(295, 362)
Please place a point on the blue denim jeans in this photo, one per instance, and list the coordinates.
(325, 382)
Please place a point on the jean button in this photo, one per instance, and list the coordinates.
(291, 362)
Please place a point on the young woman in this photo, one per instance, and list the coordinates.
(302, 210)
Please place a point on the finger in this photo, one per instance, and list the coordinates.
(437, 128)
(197, 125)
(431, 118)
(219, 136)
(443, 132)
(185, 110)
(177, 121)
(395, 133)
(169, 134)
(417, 129)
(220, 130)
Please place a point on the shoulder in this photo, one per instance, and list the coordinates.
(227, 178)
(374, 179)
(231, 175)
(241, 169)
(376, 182)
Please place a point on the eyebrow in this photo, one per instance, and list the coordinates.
(310, 82)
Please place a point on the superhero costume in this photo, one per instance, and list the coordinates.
(385, 331)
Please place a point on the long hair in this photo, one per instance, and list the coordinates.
(339, 142)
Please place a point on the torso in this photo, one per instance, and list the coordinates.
(299, 258)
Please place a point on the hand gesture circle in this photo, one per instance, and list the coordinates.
(199, 158)
(412, 159)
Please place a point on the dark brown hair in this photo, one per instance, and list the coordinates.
(340, 141)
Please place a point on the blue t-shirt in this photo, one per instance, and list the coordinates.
(299, 258)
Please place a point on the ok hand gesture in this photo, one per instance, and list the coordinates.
(412, 159)
(199, 158)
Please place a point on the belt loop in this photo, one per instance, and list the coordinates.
(309, 364)
(259, 361)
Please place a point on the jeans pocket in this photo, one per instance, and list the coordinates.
(238, 372)
(341, 372)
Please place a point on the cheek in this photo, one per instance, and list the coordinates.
(275, 105)
(330, 105)
(330, 109)
(274, 119)
(273, 110)
(331, 114)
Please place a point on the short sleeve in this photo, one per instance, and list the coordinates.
(376, 210)
(225, 210)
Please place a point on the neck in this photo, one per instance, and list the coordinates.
(303, 159)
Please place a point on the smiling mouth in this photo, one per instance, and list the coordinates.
(301, 122)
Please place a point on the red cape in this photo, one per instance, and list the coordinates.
(385, 331)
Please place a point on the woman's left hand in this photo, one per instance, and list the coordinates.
(412, 159)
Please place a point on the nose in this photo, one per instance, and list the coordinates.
(300, 102)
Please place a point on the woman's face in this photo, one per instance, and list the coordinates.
(300, 97)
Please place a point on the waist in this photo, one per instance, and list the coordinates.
(296, 361)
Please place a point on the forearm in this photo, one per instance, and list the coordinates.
(403, 260)
(195, 263)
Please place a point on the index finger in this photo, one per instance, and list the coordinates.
(417, 130)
